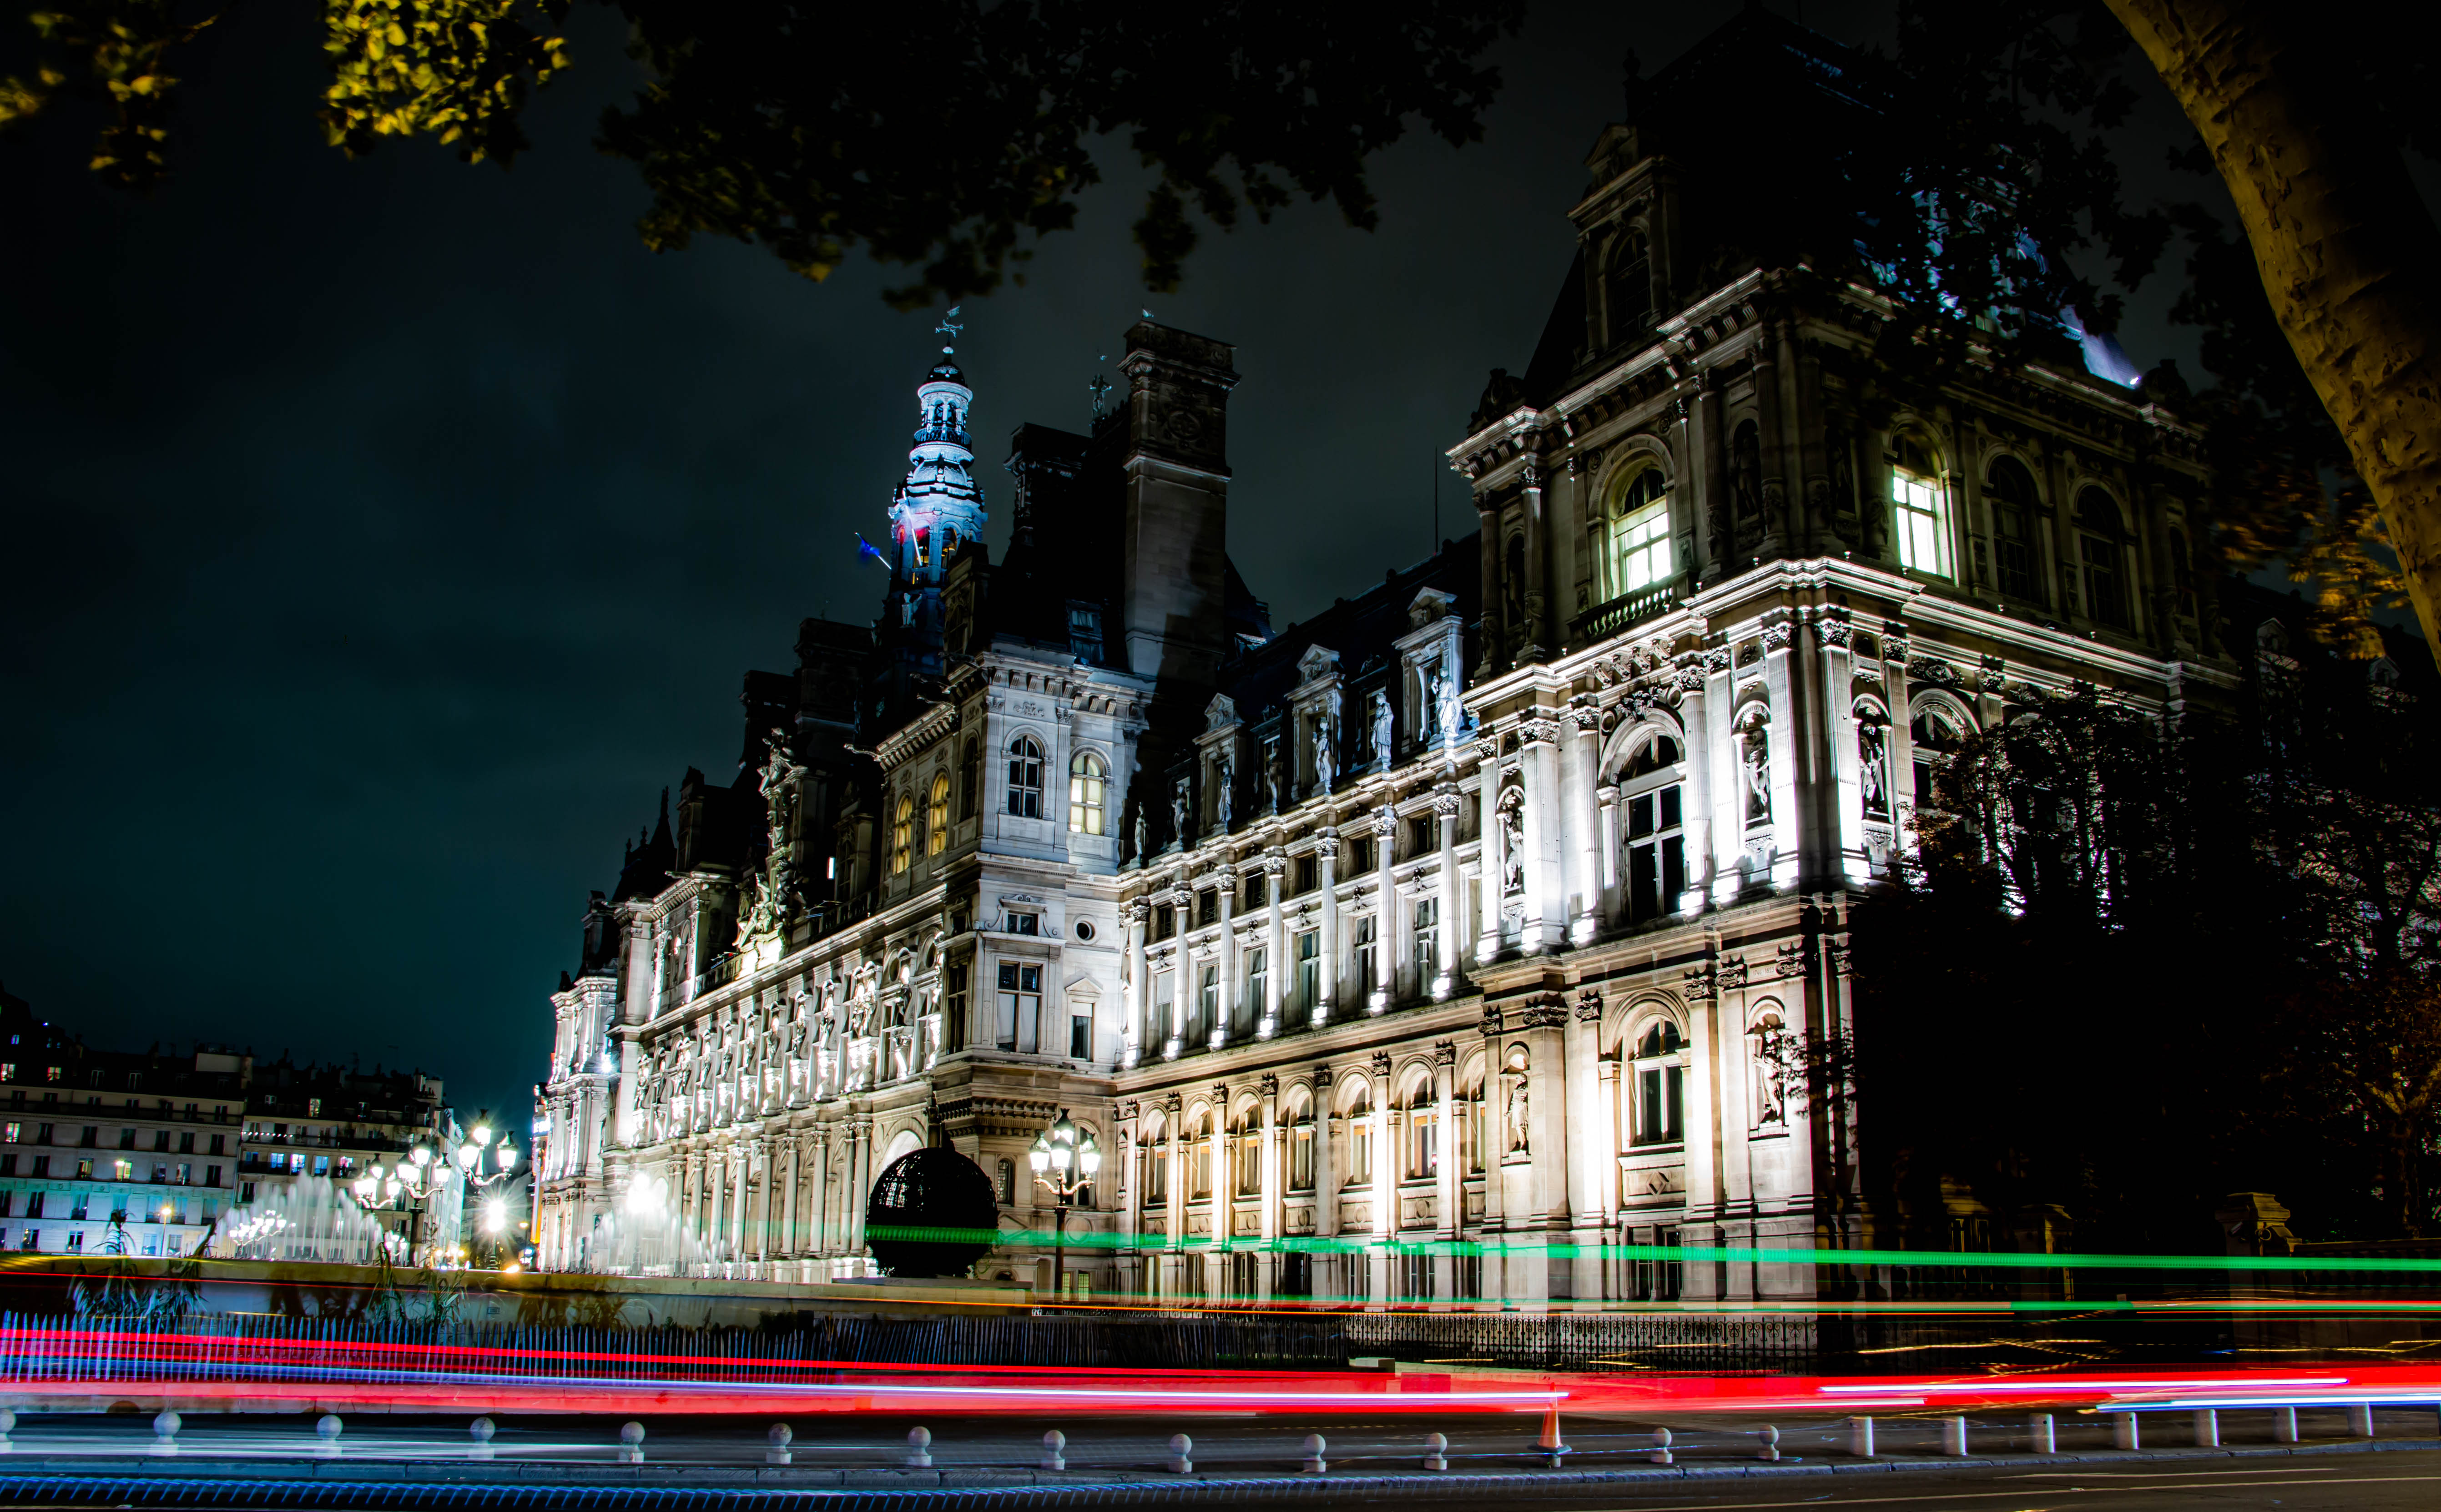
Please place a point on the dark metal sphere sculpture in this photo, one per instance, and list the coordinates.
(931, 1213)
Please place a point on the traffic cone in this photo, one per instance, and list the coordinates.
(1550, 1442)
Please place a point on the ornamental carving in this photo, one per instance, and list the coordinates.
(1124, 1113)
(1381, 1065)
(1832, 632)
(1794, 957)
(1444, 1051)
(1733, 973)
(1269, 1086)
(1322, 1078)
(1777, 637)
(1549, 1012)
(1589, 1006)
(1700, 983)
(1491, 1020)
(1539, 731)
(1933, 670)
(1716, 660)
(1834, 954)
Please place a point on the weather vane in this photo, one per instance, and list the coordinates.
(949, 328)
(1099, 388)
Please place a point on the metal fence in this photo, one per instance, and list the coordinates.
(1565, 1340)
(36, 1347)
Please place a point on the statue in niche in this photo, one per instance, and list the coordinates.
(859, 1017)
(1177, 813)
(1451, 714)
(1521, 1117)
(1273, 780)
(1142, 839)
(1225, 803)
(1381, 731)
(1872, 748)
(1754, 762)
(1325, 769)
(1512, 846)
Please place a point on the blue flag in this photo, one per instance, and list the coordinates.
(865, 548)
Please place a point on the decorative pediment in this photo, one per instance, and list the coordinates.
(1428, 605)
(1317, 664)
(1220, 713)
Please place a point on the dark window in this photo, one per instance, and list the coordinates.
(1080, 1037)
(1631, 288)
(1164, 921)
(970, 766)
(1207, 905)
(1363, 854)
(953, 1009)
(92, 1137)
(1309, 874)
(33, 1204)
(1256, 886)
(2014, 509)
(1025, 924)
(1423, 834)
(2101, 549)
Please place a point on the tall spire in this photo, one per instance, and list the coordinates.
(940, 505)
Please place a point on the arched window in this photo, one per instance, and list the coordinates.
(1246, 1153)
(1920, 507)
(1359, 1138)
(1639, 534)
(1654, 1082)
(1652, 809)
(2015, 508)
(2101, 549)
(1423, 1155)
(1630, 288)
(1087, 783)
(1301, 1151)
(1198, 1157)
(936, 815)
(1937, 737)
(1156, 1185)
(970, 776)
(1025, 778)
(902, 833)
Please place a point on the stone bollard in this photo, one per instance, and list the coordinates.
(2284, 1425)
(1769, 1437)
(2123, 1432)
(2207, 1428)
(2044, 1436)
(327, 1428)
(779, 1438)
(631, 1444)
(8, 1425)
(1660, 1454)
(1055, 1451)
(1436, 1451)
(1314, 1463)
(1953, 1437)
(2360, 1419)
(1860, 1437)
(165, 1432)
(480, 1431)
(1179, 1447)
(919, 1449)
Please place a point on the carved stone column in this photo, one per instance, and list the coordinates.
(1584, 1036)
(1545, 907)
(1226, 1013)
(1614, 898)
(1275, 866)
(1494, 864)
(1139, 1008)
(1385, 927)
(1582, 725)
(1787, 738)
(1445, 807)
(1449, 1186)
(1176, 1236)
(1544, 1033)
(1325, 1165)
(1327, 859)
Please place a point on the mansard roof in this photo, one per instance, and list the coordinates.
(1361, 629)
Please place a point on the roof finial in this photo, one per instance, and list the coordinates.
(1099, 388)
(949, 328)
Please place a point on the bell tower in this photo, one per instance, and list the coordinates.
(940, 505)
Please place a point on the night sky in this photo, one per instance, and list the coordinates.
(382, 536)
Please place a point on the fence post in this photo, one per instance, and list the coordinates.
(2046, 1441)
(2284, 1425)
(2124, 1430)
(1860, 1437)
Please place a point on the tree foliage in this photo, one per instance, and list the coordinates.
(947, 138)
(2133, 967)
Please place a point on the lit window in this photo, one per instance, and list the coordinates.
(1653, 837)
(1639, 534)
(902, 835)
(1654, 1087)
(1088, 781)
(1301, 1152)
(1423, 1142)
(1025, 778)
(1427, 937)
(1020, 1007)
(1922, 512)
(936, 816)
(1360, 1145)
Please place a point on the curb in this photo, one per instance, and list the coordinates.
(412, 1485)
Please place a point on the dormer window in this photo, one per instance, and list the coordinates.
(1639, 534)
(1920, 507)
(1024, 923)
(1629, 290)
(1025, 778)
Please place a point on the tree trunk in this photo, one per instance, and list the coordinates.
(2345, 244)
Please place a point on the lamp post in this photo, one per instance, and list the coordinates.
(1064, 1167)
(424, 1176)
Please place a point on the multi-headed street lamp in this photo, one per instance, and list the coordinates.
(1064, 1167)
(424, 1176)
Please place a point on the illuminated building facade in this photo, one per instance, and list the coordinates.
(1499, 906)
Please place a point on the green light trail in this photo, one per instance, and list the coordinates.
(1678, 1253)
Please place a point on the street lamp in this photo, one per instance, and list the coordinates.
(1064, 1167)
(470, 1158)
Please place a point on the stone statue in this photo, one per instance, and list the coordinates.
(1755, 759)
(1520, 1116)
(1325, 767)
(1380, 732)
(1450, 713)
(1143, 840)
(1225, 803)
(1512, 848)
(1871, 754)
(1275, 780)
(1177, 813)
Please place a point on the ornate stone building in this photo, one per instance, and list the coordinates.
(1424, 948)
